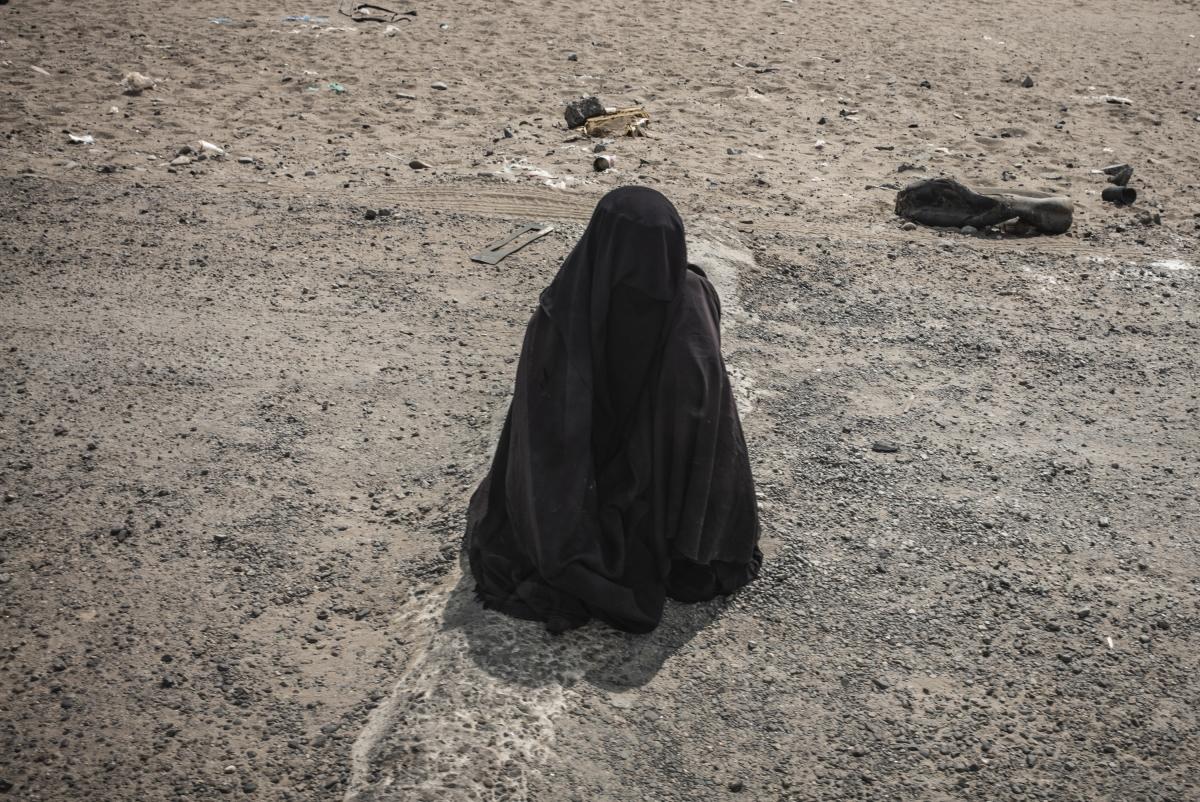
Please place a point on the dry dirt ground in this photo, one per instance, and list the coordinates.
(240, 421)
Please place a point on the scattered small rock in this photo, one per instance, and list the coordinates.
(417, 164)
(1027, 82)
(439, 85)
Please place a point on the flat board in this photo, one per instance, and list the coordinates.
(512, 243)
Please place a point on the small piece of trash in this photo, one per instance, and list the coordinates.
(39, 70)
(208, 147)
(220, 20)
(1110, 642)
(337, 89)
(391, 30)
(83, 139)
(134, 83)
(510, 244)
(622, 122)
(315, 20)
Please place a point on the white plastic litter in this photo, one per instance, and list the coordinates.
(82, 139)
(135, 82)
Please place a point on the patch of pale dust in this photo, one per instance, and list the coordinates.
(725, 264)
(1041, 278)
(474, 711)
(520, 168)
(1173, 264)
(744, 392)
(449, 729)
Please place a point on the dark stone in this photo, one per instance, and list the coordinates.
(885, 447)
(580, 111)
(1119, 174)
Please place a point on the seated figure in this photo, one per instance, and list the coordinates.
(621, 476)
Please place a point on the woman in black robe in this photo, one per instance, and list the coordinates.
(621, 476)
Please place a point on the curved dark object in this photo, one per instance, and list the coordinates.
(1119, 174)
(1122, 196)
(946, 202)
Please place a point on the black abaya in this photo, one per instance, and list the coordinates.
(621, 475)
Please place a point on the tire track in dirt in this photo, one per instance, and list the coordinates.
(544, 203)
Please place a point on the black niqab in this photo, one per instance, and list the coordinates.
(621, 475)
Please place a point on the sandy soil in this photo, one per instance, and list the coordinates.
(240, 421)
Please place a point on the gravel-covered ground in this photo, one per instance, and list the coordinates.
(240, 421)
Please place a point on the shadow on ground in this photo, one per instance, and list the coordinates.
(523, 653)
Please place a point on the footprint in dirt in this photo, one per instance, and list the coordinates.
(474, 712)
